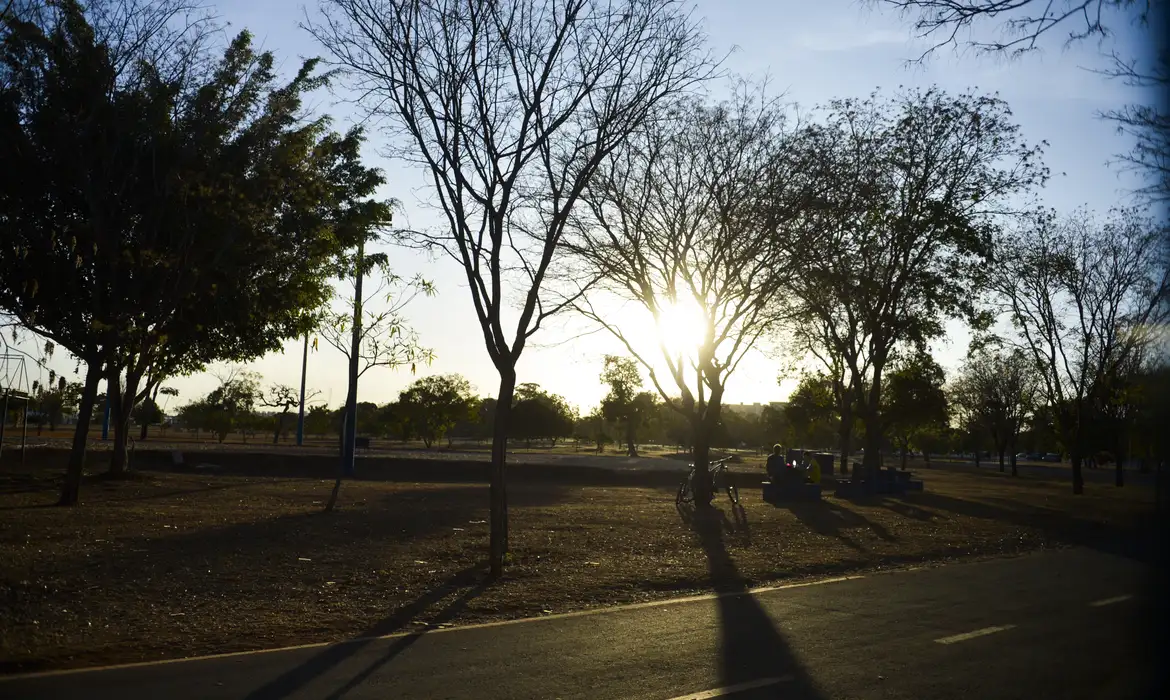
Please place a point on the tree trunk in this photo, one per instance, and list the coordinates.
(1012, 450)
(1119, 456)
(279, 426)
(71, 489)
(498, 497)
(926, 458)
(905, 445)
(1001, 465)
(122, 404)
(142, 433)
(631, 448)
(1078, 475)
(872, 462)
(845, 433)
(701, 486)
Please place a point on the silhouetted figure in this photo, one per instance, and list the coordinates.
(775, 465)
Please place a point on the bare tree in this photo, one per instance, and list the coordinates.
(681, 226)
(1022, 24)
(909, 189)
(1086, 298)
(510, 105)
(286, 398)
(995, 393)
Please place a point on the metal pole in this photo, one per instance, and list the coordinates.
(301, 415)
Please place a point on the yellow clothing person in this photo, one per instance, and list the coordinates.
(813, 473)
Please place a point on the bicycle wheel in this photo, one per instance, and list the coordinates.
(685, 493)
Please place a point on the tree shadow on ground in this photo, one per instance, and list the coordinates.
(751, 648)
(1064, 527)
(331, 656)
(828, 518)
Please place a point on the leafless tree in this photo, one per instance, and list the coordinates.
(1086, 297)
(285, 398)
(1022, 24)
(686, 219)
(510, 105)
(995, 392)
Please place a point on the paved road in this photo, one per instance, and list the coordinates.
(1055, 624)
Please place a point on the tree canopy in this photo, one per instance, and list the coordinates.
(168, 212)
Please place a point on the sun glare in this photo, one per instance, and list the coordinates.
(681, 326)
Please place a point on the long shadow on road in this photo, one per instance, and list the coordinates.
(332, 656)
(752, 650)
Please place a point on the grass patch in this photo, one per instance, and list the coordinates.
(176, 564)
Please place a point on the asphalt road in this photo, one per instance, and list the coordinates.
(1055, 624)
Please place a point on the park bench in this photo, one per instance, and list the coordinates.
(890, 481)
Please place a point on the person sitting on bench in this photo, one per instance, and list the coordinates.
(775, 465)
(812, 469)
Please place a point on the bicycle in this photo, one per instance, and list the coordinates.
(720, 481)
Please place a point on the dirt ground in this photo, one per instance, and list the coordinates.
(166, 564)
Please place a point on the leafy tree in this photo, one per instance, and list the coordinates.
(1086, 299)
(774, 423)
(510, 106)
(229, 406)
(54, 400)
(915, 404)
(594, 428)
(810, 410)
(538, 415)
(624, 402)
(319, 420)
(681, 226)
(145, 414)
(908, 191)
(433, 405)
(997, 390)
(196, 213)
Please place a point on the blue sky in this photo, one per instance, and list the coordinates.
(810, 52)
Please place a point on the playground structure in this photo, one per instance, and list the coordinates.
(14, 387)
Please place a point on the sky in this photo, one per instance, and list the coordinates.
(809, 52)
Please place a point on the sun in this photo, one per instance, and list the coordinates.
(681, 326)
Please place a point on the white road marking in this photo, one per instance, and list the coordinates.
(731, 689)
(1110, 601)
(433, 630)
(973, 634)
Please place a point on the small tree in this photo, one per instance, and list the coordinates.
(56, 399)
(229, 406)
(915, 403)
(539, 415)
(625, 402)
(286, 398)
(997, 389)
(810, 411)
(433, 405)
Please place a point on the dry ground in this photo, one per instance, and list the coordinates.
(166, 565)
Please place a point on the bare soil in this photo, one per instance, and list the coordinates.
(165, 565)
